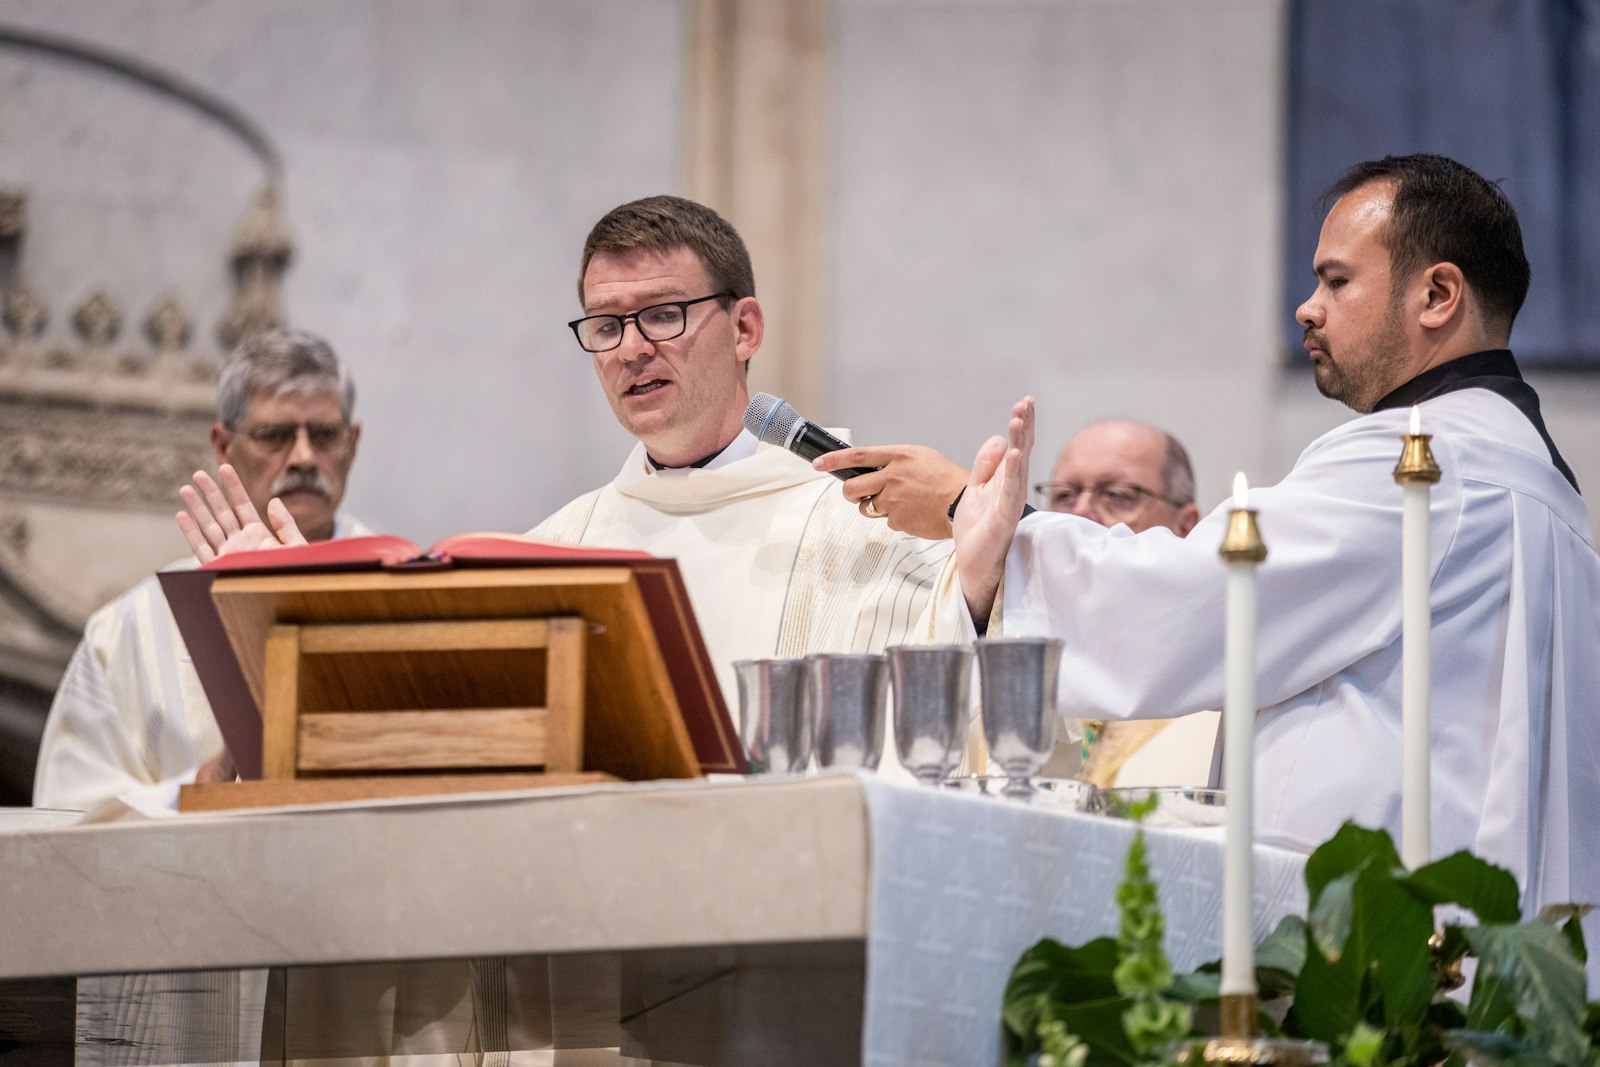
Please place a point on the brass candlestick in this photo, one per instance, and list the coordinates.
(1239, 1015)
(1242, 543)
(1274, 1051)
(1416, 460)
(1240, 1042)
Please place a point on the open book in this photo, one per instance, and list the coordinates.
(234, 694)
(390, 552)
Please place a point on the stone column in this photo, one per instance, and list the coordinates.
(759, 143)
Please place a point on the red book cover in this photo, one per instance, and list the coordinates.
(705, 714)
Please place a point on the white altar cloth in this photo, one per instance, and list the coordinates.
(963, 884)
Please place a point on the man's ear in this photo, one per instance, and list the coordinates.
(1444, 295)
(220, 436)
(749, 325)
(1188, 518)
(355, 438)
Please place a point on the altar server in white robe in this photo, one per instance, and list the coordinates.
(776, 560)
(1420, 272)
(129, 720)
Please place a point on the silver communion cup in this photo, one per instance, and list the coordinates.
(774, 723)
(848, 695)
(1018, 678)
(931, 696)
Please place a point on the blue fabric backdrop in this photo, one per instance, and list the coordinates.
(1509, 87)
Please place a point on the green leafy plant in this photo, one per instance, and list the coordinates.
(1358, 973)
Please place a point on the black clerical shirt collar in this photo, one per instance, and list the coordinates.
(1496, 371)
(701, 462)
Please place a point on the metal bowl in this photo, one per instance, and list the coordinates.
(1176, 805)
(1065, 793)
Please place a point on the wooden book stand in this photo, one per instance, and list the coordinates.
(376, 684)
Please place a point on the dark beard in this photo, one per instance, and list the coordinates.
(1361, 387)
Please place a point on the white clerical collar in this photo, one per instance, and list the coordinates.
(741, 447)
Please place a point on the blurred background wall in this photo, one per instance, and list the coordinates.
(950, 204)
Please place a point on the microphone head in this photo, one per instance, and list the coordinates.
(771, 419)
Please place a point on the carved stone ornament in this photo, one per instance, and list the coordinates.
(25, 316)
(13, 215)
(99, 457)
(97, 320)
(262, 249)
(262, 236)
(23, 313)
(168, 327)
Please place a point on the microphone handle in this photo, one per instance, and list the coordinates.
(811, 441)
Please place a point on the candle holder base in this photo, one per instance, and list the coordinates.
(1239, 1011)
(1277, 1051)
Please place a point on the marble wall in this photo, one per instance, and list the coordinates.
(1074, 200)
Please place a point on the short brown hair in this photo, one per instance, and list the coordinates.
(663, 223)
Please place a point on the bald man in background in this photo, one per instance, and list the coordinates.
(1118, 472)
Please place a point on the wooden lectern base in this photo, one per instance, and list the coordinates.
(222, 796)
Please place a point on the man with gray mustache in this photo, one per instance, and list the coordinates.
(129, 720)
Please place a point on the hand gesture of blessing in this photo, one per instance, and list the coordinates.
(217, 524)
(990, 509)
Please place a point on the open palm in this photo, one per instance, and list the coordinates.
(991, 508)
(223, 520)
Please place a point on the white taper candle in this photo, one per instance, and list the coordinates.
(1239, 723)
(1416, 628)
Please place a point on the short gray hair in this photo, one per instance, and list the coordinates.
(1177, 472)
(279, 362)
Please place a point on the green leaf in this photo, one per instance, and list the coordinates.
(1492, 1005)
(1327, 999)
(1333, 914)
(1099, 1022)
(1490, 892)
(1350, 849)
(1280, 957)
(1544, 980)
(1488, 1049)
(1196, 988)
(1379, 970)
(1052, 973)
(1570, 918)
(1391, 929)
(1363, 1045)
(1285, 948)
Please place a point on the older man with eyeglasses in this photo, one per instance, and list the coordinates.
(129, 719)
(1118, 472)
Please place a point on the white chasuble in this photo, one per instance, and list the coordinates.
(776, 561)
(129, 720)
(1516, 639)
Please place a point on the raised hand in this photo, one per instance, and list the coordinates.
(913, 491)
(223, 520)
(990, 509)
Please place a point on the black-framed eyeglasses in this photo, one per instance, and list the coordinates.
(1115, 500)
(658, 322)
(330, 438)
